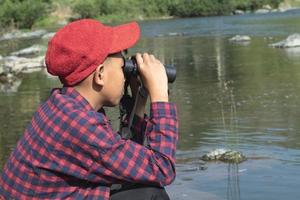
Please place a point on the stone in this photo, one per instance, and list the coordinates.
(35, 64)
(238, 12)
(172, 34)
(240, 38)
(214, 155)
(20, 34)
(175, 34)
(267, 7)
(33, 50)
(291, 41)
(16, 65)
(262, 11)
(10, 86)
(224, 155)
(12, 68)
(48, 36)
(233, 157)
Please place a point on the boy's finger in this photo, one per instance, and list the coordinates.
(139, 59)
(146, 57)
(152, 57)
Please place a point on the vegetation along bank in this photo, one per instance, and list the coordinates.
(25, 14)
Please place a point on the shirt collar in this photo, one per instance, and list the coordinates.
(71, 92)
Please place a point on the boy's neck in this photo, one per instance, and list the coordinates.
(89, 96)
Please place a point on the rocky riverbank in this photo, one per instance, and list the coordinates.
(283, 7)
(26, 60)
(12, 68)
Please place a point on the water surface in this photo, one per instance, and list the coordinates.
(243, 96)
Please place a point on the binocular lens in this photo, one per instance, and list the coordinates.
(130, 69)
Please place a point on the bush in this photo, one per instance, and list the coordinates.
(22, 14)
(7, 12)
(152, 8)
(86, 9)
(122, 8)
(193, 8)
(254, 4)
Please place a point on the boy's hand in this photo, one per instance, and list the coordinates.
(154, 77)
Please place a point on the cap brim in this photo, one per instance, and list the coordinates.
(124, 37)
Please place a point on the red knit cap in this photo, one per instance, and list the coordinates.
(78, 48)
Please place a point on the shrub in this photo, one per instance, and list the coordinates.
(22, 14)
(192, 8)
(254, 4)
(86, 8)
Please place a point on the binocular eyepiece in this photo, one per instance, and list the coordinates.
(130, 69)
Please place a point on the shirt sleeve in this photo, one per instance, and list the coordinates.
(138, 128)
(115, 160)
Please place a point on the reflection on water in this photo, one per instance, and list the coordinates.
(17, 109)
(244, 97)
(233, 185)
(293, 53)
(263, 81)
(239, 97)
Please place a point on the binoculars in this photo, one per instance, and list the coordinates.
(130, 69)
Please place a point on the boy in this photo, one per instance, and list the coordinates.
(69, 149)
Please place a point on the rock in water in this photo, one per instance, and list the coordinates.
(238, 12)
(224, 155)
(9, 86)
(33, 50)
(9, 82)
(240, 38)
(11, 68)
(171, 34)
(16, 65)
(233, 157)
(20, 34)
(267, 7)
(214, 155)
(290, 41)
(262, 11)
(48, 36)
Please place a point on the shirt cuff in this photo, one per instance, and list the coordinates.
(163, 109)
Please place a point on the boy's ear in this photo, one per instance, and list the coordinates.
(99, 75)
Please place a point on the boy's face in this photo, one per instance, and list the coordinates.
(113, 79)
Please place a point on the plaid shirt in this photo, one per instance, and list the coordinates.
(70, 151)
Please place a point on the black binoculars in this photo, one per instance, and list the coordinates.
(130, 69)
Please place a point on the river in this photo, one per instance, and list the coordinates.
(242, 96)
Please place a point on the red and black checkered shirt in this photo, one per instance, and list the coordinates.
(70, 151)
